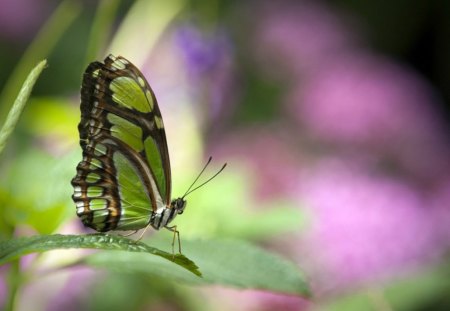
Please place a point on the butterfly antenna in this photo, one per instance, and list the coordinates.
(204, 183)
(200, 174)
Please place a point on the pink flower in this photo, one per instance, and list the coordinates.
(72, 295)
(270, 156)
(253, 300)
(3, 287)
(368, 102)
(346, 97)
(365, 226)
(440, 201)
(365, 99)
(301, 36)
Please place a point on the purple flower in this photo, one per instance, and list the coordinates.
(365, 226)
(202, 52)
(208, 60)
(21, 18)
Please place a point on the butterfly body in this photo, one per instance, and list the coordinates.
(124, 180)
(163, 216)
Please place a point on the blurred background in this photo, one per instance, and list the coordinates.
(332, 115)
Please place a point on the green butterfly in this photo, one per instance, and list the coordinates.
(123, 181)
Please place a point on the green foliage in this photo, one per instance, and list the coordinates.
(417, 291)
(149, 17)
(37, 195)
(101, 27)
(8, 128)
(421, 288)
(225, 262)
(19, 103)
(15, 248)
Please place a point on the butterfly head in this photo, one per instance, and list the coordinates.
(179, 205)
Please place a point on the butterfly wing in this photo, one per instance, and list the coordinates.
(125, 172)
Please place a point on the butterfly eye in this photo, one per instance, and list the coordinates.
(180, 206)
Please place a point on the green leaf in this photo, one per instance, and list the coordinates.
(225, 262)
(47, 202)
(19, 103)
(16, 248)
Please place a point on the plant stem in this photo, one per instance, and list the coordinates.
(14, 285)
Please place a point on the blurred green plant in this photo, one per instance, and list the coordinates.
(45, 206)
(233, 215)
(150, 17)
(422, 290)
(41, 46)
(101, 28)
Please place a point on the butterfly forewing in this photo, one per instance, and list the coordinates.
(125, 172)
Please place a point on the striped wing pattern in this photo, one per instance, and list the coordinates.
(124, 176)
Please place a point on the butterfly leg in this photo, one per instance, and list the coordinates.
(128, 234)
(142, 234)
(176, 233)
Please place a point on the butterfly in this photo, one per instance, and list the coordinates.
(123, 181)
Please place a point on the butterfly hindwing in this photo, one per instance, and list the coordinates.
(125, 172)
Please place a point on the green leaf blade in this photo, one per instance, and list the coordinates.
(15, 248)
(229, 263)
(19, 103)
(243, 265)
